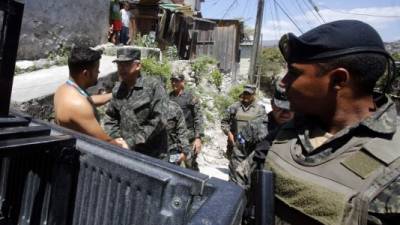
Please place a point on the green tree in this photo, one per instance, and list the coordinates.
(270, 64)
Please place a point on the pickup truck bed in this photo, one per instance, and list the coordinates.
(52, 175)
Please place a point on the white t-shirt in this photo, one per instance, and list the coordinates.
(125, 17)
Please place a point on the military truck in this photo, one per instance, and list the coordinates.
(52, 175)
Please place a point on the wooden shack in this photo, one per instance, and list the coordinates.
(144, 17)
(227, 37)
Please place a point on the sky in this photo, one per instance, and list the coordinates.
(383, 15)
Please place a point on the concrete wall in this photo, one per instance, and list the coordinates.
(51, 24)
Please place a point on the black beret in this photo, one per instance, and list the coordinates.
(330, 40)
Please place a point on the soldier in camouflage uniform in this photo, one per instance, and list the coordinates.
(178, 142)
(137, 108)
(193, 117)
(257, 130)
(338, 160)
(235, 119)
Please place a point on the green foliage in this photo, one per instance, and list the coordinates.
(235, 91)
(144, 41)
(210, 118)
(200, 66)
(216, 78)
(382, 82)
(60, 56)
(270, 64)
(223, 102)
(396, 56)
(171, 53)
(152, 67)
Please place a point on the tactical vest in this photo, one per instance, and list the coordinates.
(337, 190)
(241, 117)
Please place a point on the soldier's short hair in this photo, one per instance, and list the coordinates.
(365, 68)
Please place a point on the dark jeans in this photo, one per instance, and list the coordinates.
(124, 35)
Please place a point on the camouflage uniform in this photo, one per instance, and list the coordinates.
(177, 132)
(190, 106)
(235, 119)
(356, 171)
(137, 115)
(253, 135)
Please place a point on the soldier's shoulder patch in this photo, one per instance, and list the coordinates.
(362, 164)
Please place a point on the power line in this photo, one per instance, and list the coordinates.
(304, 13)
(315, 7)
(277, 17)
(290, 18)
(287, 9)
(245, 8)
(234, 2)
(360, 14)
(274, 23)
(312, 11)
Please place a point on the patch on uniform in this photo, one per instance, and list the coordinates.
(362, 164)
(312, 199)
(385, 150)
(244, 116)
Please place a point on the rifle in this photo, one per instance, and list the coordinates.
(263, 196)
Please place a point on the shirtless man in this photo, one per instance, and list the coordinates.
(74, 107)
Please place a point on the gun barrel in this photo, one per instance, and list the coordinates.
(264, 199)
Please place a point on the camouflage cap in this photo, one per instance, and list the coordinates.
(280, 98)
(127, 54)
(249, 88)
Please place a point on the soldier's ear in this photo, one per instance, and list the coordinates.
(139, 65)
(340, 78)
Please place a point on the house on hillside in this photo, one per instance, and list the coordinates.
(180, 23)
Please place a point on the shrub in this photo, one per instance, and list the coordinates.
(152, 67)
(144, 41)
(171, 53)
(270, 65)
(222, 102)
(60, 56)
(200, 66)
(216, 78)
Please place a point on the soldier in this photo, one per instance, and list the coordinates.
(75, 108)
(338, 160)
(178, 142)
(257, 130)
(193, 117)
(136, 111)
(235, 119)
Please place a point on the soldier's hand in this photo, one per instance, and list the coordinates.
(197, 146)
(231, 138)
(121, 143)
(182, 157)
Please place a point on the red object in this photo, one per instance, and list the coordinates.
(117, 25)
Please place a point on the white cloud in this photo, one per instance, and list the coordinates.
(386, 21)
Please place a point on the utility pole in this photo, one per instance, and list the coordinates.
(256, 41)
